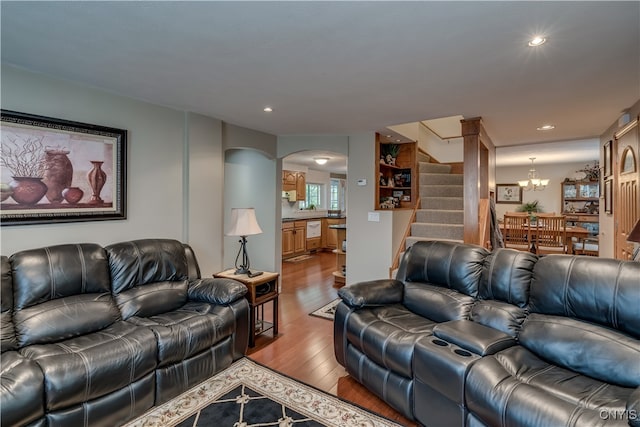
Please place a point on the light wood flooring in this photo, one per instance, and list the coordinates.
(303, 348)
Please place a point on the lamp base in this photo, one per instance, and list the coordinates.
(242, 270)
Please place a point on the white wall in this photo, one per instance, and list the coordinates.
(370, 244)
(550, 199)
(165, 198)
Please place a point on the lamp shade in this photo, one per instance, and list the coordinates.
(634, 236)
(243, 222)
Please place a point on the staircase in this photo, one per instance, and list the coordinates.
(441, 214)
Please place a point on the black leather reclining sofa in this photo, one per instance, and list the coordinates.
(95, 336)
(465, 337)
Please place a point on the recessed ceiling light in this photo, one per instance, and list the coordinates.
(267, 109)
(537, 41)
(321, 160)
(546, 127)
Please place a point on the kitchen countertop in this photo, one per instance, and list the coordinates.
(290, 219)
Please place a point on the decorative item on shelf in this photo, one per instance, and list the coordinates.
(533, 182)
(391, 153)
(383, 182)
(243, 224)
(591, 173)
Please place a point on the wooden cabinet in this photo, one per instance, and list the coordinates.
(294, 239)
(581, 204)
(340, 274)
(330, 235)
(301, 186)
(396, 186)
(289, 180)
(294, 180)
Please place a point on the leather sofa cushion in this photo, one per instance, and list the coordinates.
(152, 299)
(474, 337)
(216, 291)
(507, 277)
(437, 303)
(139, 262)
(499, 315)
(22, 386)
(372, 293)
(187, 331)
(84, 368)
(514, 387)
(387, 335)
(599, 290)
(53, 272)
(8, 340)
(450, 265)
(590, 349)
(57, 319)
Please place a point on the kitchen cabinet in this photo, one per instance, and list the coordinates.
(288, 180)
(294, 239)
(340, 274)
(330, 235)
(396, 186)
(295, 181)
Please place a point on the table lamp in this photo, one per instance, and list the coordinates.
(243, 224)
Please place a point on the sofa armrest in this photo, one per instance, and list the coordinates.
(474, 337)
(374, 292)
(217, 291)
(633, 408)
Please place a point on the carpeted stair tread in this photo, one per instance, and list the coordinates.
(441, 179)
(433, 168)
(442, 203)
(442, 216)
(440, 231)
(441, 191)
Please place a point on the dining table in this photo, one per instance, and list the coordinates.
(572, 231)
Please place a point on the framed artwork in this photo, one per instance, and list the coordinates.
(608, 196)
(509, 193)
(60, 171)
(608, 169)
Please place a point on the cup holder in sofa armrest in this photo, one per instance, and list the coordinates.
(441, 343)
(474, 337)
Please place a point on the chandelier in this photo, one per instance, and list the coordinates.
(534, 182)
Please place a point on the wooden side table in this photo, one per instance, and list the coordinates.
(262, 289)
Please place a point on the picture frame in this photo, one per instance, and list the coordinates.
(608, 165)
(509, 194)
(608, 196)
(56, 171)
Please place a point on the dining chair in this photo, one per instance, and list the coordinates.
(586, 246)
(551, 235)
(516, 232)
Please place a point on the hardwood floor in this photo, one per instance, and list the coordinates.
(303, 348)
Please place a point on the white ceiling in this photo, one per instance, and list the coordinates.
(341, 67)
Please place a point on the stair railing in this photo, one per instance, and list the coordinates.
(403, 244)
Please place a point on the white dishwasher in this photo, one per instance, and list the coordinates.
(314, 229)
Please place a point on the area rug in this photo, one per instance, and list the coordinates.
(327, 311)
(248, 394)
(299, 258)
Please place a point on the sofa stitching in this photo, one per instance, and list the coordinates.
(565, 289)
(614, 315)
(591, 331)
(83, 269)
(52, 277)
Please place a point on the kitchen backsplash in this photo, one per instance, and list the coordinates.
(292, 210)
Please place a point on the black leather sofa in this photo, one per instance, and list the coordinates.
(465, 337)
(97, 336)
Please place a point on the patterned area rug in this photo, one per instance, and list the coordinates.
(248, 394)
(299, 258)
(327, 311)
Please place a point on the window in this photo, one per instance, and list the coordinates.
(313, 197)
(336, 194)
